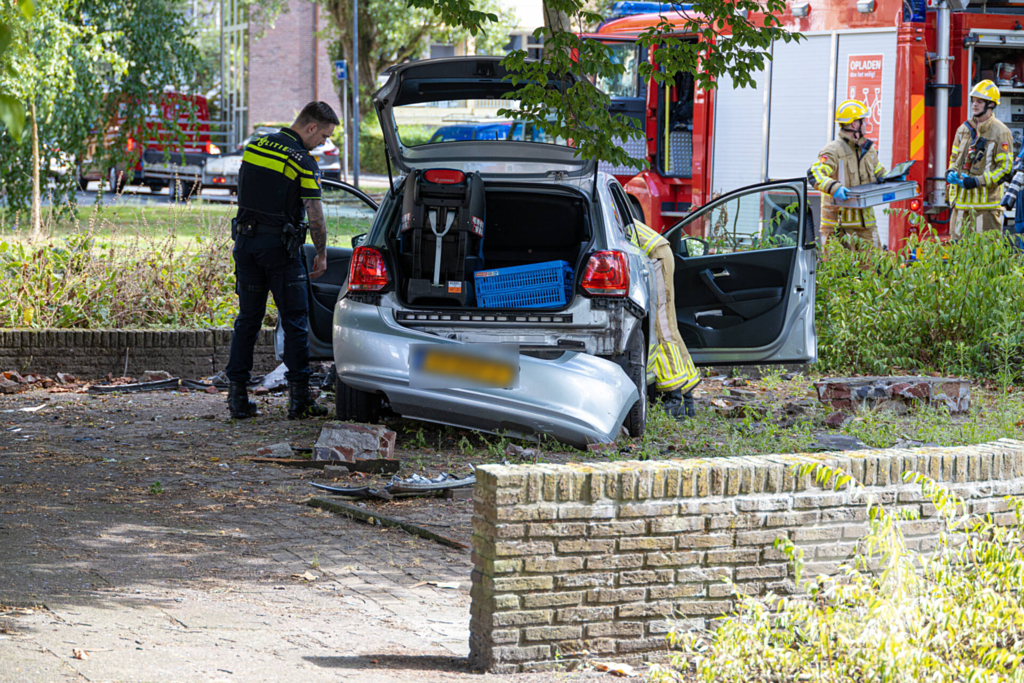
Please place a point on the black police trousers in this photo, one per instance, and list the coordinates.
(263, 265)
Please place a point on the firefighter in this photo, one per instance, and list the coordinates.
(668, 360)
(848, 161)
(278, 187)
(982, 155)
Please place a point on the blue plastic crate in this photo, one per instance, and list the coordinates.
(538, 285)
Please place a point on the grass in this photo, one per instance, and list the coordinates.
(995, 413)
(118, 223)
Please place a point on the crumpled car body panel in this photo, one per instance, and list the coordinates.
(576, 398)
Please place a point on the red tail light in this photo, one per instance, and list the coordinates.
(211, 148)
(333, 152)
(367, 271)
(915, 205)
(130, 146)
(607, 274)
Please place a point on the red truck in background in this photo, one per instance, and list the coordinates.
(161, 156)
(912, 64)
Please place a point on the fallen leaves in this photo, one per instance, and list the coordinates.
(616, 669)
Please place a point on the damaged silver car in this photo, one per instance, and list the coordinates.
(515, 243)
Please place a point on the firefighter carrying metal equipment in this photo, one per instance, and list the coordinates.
(668, 360)
(981, 157)
(848, 161)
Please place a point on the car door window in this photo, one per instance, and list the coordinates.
(348, 211)
(623, 215)
(766, 217)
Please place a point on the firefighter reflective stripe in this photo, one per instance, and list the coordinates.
(880, 170)
(671, 369)
(669, 360)
(822, 174)
(1002, 166)
(648, 239)
(952, 156)
(983, 198)
(849, 218)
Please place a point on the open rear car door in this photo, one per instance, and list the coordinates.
(346, 208)
(744, 277)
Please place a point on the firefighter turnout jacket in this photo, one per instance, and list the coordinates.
(667, 359)
(983, 150)
(846, 162)
(277, 174)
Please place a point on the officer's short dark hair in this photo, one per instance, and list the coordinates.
(319, 112)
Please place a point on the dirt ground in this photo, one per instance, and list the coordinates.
(138, 544)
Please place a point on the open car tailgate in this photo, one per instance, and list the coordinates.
(576, 398)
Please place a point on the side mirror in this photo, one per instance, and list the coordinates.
(357, 240)
(693, 246)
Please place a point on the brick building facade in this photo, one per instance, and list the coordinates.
(289, 66)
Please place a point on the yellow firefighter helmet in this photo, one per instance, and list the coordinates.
(986, 90)
(849, 111)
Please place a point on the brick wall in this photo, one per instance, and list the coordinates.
(593, 557)
(91, 354)
(289, 67)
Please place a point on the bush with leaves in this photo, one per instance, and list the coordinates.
(892, 614)
(954, 308)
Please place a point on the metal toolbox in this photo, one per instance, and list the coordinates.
(872, 194)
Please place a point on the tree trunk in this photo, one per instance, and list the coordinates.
(37, 224)
(556, 20)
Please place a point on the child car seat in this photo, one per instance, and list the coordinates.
(442, 232)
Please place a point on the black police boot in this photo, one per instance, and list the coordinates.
(301, 404)
(239, 403)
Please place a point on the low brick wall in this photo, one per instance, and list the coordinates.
(91, 354)
(573, 558)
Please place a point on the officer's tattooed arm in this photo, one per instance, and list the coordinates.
(318, 233)
(317, 227)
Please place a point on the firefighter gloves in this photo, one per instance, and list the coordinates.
(953, 178)
(841, 194)
(969, 182)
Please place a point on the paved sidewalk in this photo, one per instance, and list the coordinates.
(132, 529)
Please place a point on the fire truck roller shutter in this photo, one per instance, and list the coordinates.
(801, 114)
(880, 98)
(739, 142)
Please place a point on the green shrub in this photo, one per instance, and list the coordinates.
(954, 308)
(891, 614)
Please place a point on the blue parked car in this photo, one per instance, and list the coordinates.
(471, 131)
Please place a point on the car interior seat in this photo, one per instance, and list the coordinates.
(441, 233)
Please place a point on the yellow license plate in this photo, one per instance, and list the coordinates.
(459, 366)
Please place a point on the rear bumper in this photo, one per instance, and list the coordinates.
(576, 398)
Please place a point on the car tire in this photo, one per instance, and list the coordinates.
(634, 362)
(353, 405)
(183, 190)
(116, 180)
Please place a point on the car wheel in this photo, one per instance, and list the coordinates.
(116, 181)
(634, 362)
(353, 405)
(182, 190)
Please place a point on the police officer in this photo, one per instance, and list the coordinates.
(848, 161)
(669, 360)
(982, 154)
(278, 188)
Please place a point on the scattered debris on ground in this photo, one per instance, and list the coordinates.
(895, 393)
(365, 515)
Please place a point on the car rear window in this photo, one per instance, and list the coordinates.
(426, 123)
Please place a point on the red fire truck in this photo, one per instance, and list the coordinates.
(163, 157)
(912, 64)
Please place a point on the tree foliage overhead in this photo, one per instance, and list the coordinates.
(393, 32)
(709, 39)
(93, 71)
